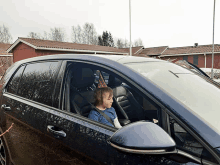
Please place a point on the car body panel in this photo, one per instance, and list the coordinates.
(24, 139)
(176, 107)
(83, 133)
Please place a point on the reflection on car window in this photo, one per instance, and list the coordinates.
(104, 75)
(188, 88)
(13, 84)
(37, 82)
(186, 142)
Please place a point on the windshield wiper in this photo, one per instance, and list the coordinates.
(173, 73)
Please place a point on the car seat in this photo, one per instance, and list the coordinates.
(82, 85)
(125, 99)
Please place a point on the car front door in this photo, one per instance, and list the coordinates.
(26, 100)
(77, 132)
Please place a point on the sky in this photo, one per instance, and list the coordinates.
(173, 23)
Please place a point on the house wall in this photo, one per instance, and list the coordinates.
(23, 51)
(49, 52)
(201, 60)
(216, 60)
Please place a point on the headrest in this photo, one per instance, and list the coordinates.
(82, 77)
(113, 81)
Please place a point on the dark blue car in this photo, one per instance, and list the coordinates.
(49, 98)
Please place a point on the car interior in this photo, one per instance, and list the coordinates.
(80, 83)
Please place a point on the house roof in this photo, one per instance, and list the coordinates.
(65, 46)
(190, 50)
(3, 48)
(135, 50)
(153, 51)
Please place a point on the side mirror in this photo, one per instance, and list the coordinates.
(143, 138)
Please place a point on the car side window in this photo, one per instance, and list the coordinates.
(13, 84)
(37, 82)
(187, 143)
(129, 103)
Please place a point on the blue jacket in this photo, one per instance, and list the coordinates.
(96, 116)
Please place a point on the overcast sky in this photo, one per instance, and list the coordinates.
(173, 23)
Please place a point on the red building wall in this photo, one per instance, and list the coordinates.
(201, 60)
(23, 51)
(50, 52)
(216, 60)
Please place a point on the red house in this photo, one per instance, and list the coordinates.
(24, 48)
(200, 55)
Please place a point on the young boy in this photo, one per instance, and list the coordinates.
(103, 101)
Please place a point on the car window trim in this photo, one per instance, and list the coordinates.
(60, 73)
(192, 133)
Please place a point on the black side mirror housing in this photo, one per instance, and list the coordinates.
(143, 138)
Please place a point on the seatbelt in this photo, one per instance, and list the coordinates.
(101, 112)
(104, 115)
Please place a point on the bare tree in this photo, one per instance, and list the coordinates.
(34, 35)
(79, 34)
(45, 36)
(86, 33)
(5, 36)
(89, 35)
(74, 34)
(57, 34)
(138, 42)
(125, 43)
(93, 35)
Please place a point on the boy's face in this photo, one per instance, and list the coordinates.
(107, 100)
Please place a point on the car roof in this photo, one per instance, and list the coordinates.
(118, 58)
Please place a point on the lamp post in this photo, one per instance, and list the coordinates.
(212, 75)
(130, 25)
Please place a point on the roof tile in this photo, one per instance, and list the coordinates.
(154, 50)
(68, 45)
(191, 49)
(3, 48)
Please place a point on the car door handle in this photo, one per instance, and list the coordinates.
(56, 131)
(5, 107)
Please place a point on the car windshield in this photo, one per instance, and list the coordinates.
(190, 89)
